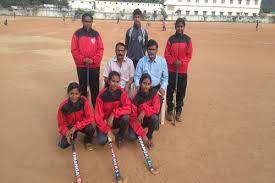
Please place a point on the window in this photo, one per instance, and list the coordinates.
(81, 1)
(246, 14)
(204, 13)
(206, 1)
(221, 13)
(256, 2)
(247, 2)
(188, 1)
(238, 14)
(231, 1)
(254, 14)
(72, 2)
(179, 1)
(213, 13)
(239, 1)
(197, 1)
(214, 1)
(229, 13)
(170, 7)
(223, 1)
(196, 12)
(187, 12)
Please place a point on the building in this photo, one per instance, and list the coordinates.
(213, 7)
(113, 6)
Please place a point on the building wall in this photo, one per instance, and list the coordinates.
(208, 7)
(111, 6)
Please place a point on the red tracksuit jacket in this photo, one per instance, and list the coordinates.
(87, 44)
(150, 104)
(78, 115)
(178, 47)
(108, 103)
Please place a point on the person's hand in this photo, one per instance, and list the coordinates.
(110, 120)
(72, 130)
(177, 63)
(141, 116)
(68, 136)
(110, 135)
(88, 61)
(145, 138)
(127, 87)
(161, 92)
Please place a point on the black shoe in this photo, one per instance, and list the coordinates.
(169, 115)
(178, 118)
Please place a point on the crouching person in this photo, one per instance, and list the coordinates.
(145, 109)
(112, 111)
(74, 115)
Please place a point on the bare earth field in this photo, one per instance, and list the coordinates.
(228, 134)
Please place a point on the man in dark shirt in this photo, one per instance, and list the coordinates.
(136, 39)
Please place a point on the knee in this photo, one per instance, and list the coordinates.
(131, 134)
(124, 121)
(102, 139)
(155, 122)
(63, 144)
(89, 129)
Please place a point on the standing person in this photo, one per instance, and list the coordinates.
(136, 39)
(178, 53)
(123, 65)
(145, 109)
(6, 22)
(87, 50)
(112, 111)
(74, 115)
(257, 25)
(155, 66)
(163, 25)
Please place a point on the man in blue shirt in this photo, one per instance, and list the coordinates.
(155, 66)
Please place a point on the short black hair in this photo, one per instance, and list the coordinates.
(145, 76)
(120, 44)
(152, 42)
(113, 73)
(87, 15)
(137, 12)
(72, 86)
(180, 20)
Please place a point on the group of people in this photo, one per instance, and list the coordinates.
(149, 77)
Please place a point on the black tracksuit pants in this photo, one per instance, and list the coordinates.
(94, 82)
(180, 93)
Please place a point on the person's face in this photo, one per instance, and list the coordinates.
(87, 22)
(74, 95)
(179, 27)
(152, 52)
(120, 52)
(145, 85)
(137, 19)
(114, 83)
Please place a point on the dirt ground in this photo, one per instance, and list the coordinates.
(229, 117)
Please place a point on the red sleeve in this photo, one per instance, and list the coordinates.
(62, 124)
(99, 51)
(136, 126)
(168, 54)
(151, 108)
(188, 54)
(87, 119)
(78, 57)
(125, 108)
(99, 116)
